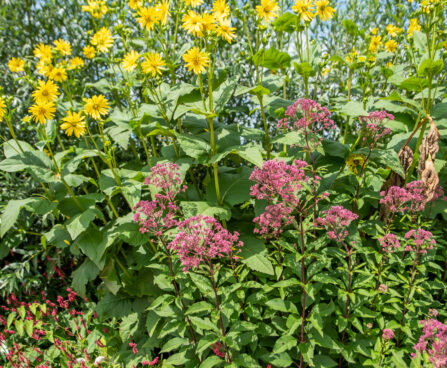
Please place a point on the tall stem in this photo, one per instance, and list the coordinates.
(303, 280)
(218, 308)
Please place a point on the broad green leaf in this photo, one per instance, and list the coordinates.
(284, 343)
(353, 109)
(254, 255)
(272, 59)
(80, 222)
(199, 307)
(174, 344)
(86, 272)
(194, 147)
(93, 244)
(11, 213)
(282, 305)
(195, 208)
(211, 362)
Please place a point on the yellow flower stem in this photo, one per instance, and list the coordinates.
(211, 129)
(266, 128)
(58, 171)
(11, 130)
(175, 40)
(60, 141)
(307, 42)
(92, 160)
(144, 145)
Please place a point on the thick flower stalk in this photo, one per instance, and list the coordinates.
(418, 241)
(201, 239)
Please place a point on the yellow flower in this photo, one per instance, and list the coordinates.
(193, 3)
(375, 43)
(96, 106)
(135, 4)
(208, 24)
(16, 65)
(2, 108)
(63, 46)
(392, 30)
(268, 9)
(76, 63)
(414, 26)
(221, 10)
(196, 60)
(148, 17)
(225, 30)
(163, 11)
(153, 64)
(324, 10)
(362, 58)
(389, 64)
(129, 62)
(97, 8)
(102, 39)
(374, 31)
(355, 162)
(304, 8)
(58, 74)
(73, 123)
(44, 68)
(46, 92)
(192, 23)
(391, 45)
(89, 52)
(43, 52)
(26, 119)
(372, 58)
(42, 111)
(325, 72)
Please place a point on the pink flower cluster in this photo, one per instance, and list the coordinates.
(202, 238)
(420, 241)
(434, 342)
(273, 220)
(307, 113)
(388, 334)
(157, 216)
(167, 178)
(336, 220)
(375, 128)
(411, 198)
(389, 242)
(279, 181)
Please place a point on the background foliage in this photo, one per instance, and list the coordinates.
(68, 239)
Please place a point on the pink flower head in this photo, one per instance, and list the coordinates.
(155, 217)
(167, 178)
(279, 181)
(306, 113)
(152, 362)
(433, 341)
(419, 241)
(395, 199)
(202, 238)
(383, 288)
(217, 349)
(336, 220)
(273, 221)
(389, 242)
(375, 127)
(433, 312)
(388, 334)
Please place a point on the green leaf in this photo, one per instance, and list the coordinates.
(353, 109)
(93, 244)
(80, 222)
(203, 324)
(194, 147)
(194, 208)
(285, 23)
(250, 152)
(284, 343)
(291, 138)
(389, 158)
(254, 255)
(11, 213)
(128, 326)
(88, 271)
(430, 68)
(174, 344)
(223, 93)
(272, 59)
(282, 305)
(199, 307)
(116, 306)
(305, 70)
(29, 327)
(211, 362)
(324, 361)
